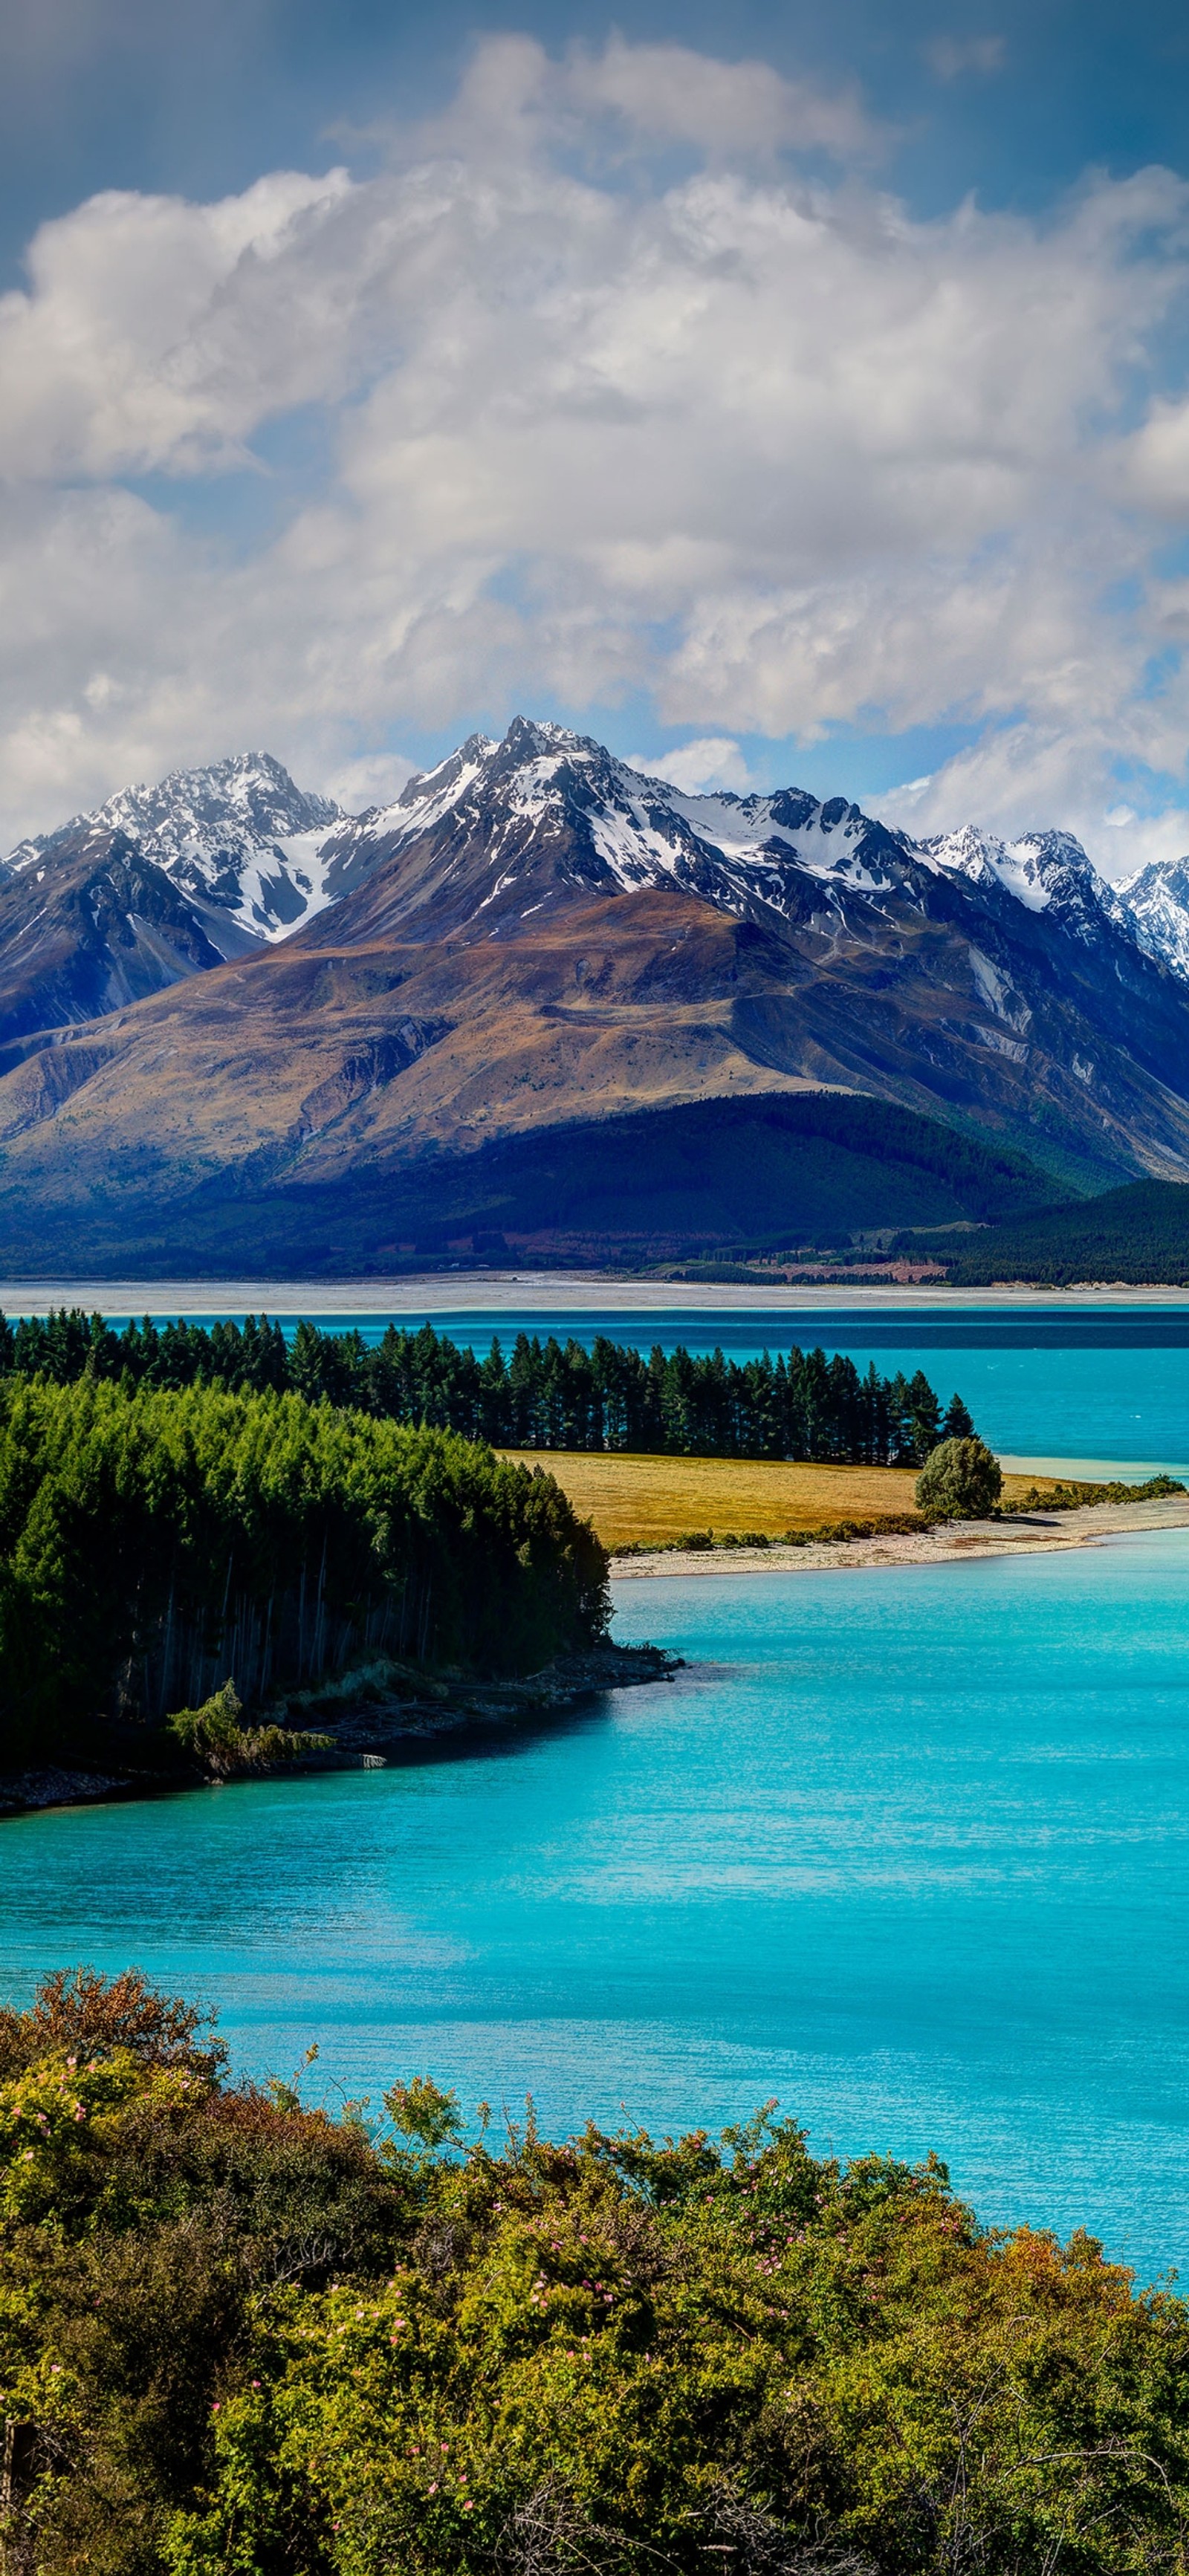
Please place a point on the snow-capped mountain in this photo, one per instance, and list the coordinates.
(506, 828)
(255, 857)
(1045, 871)
(1153, 906)
(239, 841)
(532, 935)
(488, 819)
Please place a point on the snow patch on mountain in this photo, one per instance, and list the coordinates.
(239, 839)
(630, 829)
(1044, 871)
(256, 856)
(1153, 906)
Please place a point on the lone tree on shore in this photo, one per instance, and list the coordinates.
(961, 1480)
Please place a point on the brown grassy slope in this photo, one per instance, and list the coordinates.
(317, 1063)
(652, 1501)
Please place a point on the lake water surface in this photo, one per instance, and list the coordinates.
(909, 1849)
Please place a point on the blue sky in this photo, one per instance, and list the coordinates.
(779, 393)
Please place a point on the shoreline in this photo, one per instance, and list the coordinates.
(949, 1543)
(472, 1291)
(367, 1736)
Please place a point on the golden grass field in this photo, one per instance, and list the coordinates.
(646, 1502)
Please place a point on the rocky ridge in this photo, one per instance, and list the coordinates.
(255, 858)
(238, 841)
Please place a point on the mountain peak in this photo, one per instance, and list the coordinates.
(237, 838)
(545, 806)
(1045, 871)
(527, 736)
(1153, 907)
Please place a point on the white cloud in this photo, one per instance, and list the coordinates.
(698, 767)
(669, 93)
(376, 779)
(769, 450)
(1026, 778)
(156, 334)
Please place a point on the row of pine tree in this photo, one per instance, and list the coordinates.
(546, 1395)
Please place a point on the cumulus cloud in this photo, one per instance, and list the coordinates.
(1026, 778)
(157, 335)
(669, 93)
(710, 427)
(375, 779)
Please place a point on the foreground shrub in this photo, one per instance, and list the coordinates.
(213, 1737)
(236, 2335)
(961, 1480)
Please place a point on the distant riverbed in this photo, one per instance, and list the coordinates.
(440, 1294)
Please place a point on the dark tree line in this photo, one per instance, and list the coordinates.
(546, 1395)
(152, 1541)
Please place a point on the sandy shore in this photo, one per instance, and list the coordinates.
(1025, 1534)
(557, 1291)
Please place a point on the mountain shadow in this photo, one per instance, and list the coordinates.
(778, 1171)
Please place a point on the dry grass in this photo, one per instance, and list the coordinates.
(650, 1502)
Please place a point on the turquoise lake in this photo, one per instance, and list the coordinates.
(908, 1849)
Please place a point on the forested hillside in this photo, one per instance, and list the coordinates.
(154, 1541)
(238, 2338)
(1139, 1235)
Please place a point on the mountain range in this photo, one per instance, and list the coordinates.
(238, 1026)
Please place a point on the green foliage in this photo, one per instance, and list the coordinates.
(212, 1735)
(957, 1424)
(238, 2336)
(152, 1540)
(1138, 1235)
(419, 2109)
(961, 1480)
(547, 1396)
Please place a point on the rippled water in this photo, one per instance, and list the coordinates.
(906, 1848)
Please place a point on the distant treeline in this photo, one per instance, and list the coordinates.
(547, 1395)
(155, 1540)
(1138, 1235)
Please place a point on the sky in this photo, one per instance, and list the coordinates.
(784, 394)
